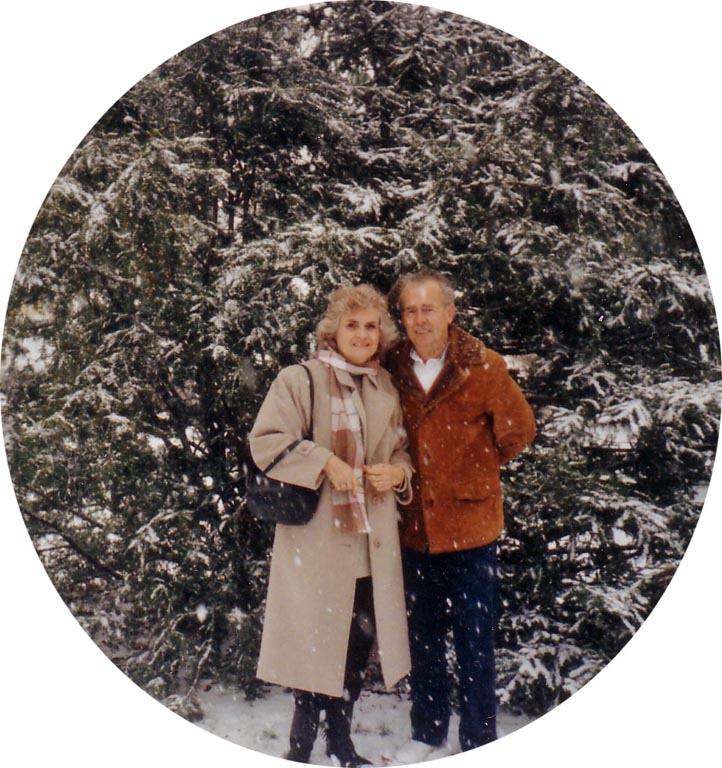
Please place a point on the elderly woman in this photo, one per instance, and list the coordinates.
(336, 583)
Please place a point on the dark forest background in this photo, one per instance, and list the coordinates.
(184, 255)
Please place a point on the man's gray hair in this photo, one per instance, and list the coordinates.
(448, 292)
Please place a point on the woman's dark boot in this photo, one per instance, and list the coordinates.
(337, 730)
(304, 728)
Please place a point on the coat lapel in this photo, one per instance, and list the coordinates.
(451, 378)
(463, 352)
(375, 414)
(379, 409)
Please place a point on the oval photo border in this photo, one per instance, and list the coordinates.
(678, 633)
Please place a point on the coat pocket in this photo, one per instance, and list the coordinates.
(475, 490)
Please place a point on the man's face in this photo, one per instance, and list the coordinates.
(426, 317)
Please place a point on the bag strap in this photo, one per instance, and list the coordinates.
(289, 448)
(310, 387)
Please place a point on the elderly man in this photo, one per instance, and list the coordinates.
(465, 417)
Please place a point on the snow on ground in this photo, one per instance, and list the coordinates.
(380, 724)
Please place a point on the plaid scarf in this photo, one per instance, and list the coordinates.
(349, 509)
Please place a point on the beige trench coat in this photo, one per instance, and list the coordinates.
(314, 566)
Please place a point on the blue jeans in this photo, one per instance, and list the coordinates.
(454, 591)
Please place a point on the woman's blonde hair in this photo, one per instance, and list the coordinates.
(349, 299)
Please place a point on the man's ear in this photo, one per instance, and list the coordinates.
(451, 313)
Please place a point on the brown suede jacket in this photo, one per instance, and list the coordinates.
(473, 420)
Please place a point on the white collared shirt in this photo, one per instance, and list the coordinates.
(427, 372)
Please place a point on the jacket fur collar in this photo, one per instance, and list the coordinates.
(463, 353)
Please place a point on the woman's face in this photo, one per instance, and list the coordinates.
(358, 335)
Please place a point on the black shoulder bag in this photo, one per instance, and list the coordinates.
(277, 502)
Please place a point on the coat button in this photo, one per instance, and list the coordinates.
(377, 542)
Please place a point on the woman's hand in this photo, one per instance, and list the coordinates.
(341, 475)
(383, 477)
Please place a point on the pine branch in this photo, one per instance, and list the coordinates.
(74, 545)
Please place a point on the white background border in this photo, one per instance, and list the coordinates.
(63, 64)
